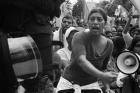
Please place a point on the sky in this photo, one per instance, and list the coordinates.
(74, 1)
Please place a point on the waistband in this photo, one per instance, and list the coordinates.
(64, 84)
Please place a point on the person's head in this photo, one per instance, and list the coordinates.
(109, 34)
(135, 31)
(135, 45)
(80, 22)
(119, 30)
(97, 19)
(69, 36)
(67, 21)
(113, 30)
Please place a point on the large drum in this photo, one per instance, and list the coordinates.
(25, 56)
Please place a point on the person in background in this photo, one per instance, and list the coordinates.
(119, 31)
(65, 53)
(119, 47)
(90, 54)
(108, 31)
(129, 33)
(114, 32)
(134, 31)
(67, 21)
(124, 82)
(109, 34)
(135, 47)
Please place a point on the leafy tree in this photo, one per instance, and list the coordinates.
(103, 4)
(125, 3)
(77, 9)
(110, 9)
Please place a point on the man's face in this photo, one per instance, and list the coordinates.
(66, 23)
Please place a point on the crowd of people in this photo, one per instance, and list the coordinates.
(88, 61)
(84, 54)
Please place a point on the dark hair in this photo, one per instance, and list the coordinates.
(107, 32)
(98, 10)
(134, 28)
(119, 46)
(68, 16)
(134, 42)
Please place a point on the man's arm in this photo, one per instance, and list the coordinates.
(126, 35)
(126, 28)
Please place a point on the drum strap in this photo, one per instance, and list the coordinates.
(7, 72)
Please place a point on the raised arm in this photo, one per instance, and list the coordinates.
(125, 31)
(126, 35)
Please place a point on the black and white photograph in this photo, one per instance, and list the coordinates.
(70, 46)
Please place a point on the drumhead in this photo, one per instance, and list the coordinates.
(25, 57)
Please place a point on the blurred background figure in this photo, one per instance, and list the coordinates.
(109, 34)
(65, 53)
(67, 21)
(134, 31)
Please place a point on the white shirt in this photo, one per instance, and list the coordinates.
(65, 55)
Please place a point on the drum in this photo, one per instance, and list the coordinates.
(25, 56)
